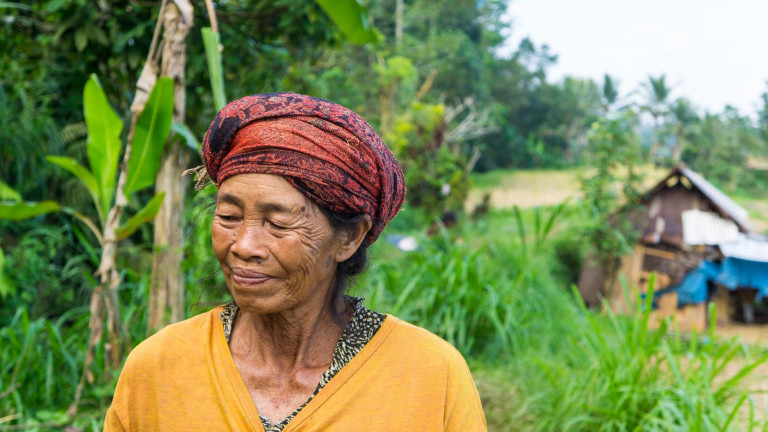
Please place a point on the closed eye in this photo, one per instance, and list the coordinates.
(228, 218)
(277, 226)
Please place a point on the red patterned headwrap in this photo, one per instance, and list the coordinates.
(324, 150)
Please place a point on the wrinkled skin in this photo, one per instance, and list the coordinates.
(260, 217)
(279, 255)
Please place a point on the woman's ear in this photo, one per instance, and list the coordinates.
(353, 238)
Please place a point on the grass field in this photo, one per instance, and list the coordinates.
(530, 188)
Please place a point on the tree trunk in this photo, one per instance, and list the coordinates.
(398, 24)
(655, 144)
(166, 303)
(678, 153)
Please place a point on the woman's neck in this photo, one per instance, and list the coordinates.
(292, 340)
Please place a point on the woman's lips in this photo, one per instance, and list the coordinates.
(248, 277)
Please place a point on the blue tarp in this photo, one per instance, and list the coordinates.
(733, 273)
(741, 273)
(693, 289)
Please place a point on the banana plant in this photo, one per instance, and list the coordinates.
(141, 161)
(111, 185)
(142, 157)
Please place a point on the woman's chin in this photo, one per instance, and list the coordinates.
(260, 301)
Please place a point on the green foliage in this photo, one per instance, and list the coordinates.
(25, 210)
(488, 298)
(437, 178)
(45, 354)
(202, 273)
(49, 277)
(104, 144)
(7, 193)
(151, 132)
(28, 133)
(610, 92)
(497, 301)
(612, 189)
(396, 70)
(86, 178)
(212, 41)
(720, 148)
(149, 137)
(6, 285)
(352, 18)
(146, 214)
(498, 292)
(189, 138)
(625, 377)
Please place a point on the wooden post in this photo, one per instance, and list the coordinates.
(630, 269)
(166, 303)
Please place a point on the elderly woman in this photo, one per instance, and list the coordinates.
(305, 186)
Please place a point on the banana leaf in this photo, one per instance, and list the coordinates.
(149, 137)
(85, 177)
(352, 19)
(144, 215)
(103, 145)
(25, 209)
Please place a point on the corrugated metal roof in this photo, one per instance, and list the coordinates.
(705, 228)
(746, 248)
(726, 204)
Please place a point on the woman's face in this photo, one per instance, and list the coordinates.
(276, 248)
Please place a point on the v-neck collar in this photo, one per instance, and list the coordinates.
(231, 374)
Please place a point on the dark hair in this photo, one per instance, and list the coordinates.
(354, 265)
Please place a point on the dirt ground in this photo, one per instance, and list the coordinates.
(757, 381)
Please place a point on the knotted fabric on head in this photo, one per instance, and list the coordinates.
(324, 150)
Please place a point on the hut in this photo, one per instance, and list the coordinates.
(699, 245)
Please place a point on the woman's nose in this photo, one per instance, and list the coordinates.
(250, 243)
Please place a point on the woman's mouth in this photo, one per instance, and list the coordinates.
(243, 276)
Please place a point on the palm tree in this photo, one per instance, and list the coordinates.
(610, 93)
(657, 106)
(684, 118)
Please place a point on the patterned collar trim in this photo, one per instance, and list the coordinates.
(360, 330)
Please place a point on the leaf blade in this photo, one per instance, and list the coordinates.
(352, 19)
(149, 137)
(85, 177)
(211, 42)
(143, 216)
(7, 193)
(103, 144)
(25, 209)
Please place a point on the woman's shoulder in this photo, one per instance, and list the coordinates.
(176, 340)
(414, 341)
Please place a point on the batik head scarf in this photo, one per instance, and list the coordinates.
(324, 150)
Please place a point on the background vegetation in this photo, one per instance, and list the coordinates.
(497, 285)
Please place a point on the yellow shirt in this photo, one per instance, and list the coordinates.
(405, 378)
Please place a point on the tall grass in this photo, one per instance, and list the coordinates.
(41, 364)
(497, 290)
(622, 376)
(561, 366)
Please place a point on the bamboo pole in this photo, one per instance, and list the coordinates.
(104, 300)
(166, 303)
